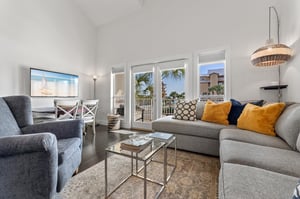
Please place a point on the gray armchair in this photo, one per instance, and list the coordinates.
(36, 160)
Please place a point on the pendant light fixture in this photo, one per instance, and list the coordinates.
(272, 53)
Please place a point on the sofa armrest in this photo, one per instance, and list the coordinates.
(20, 144)
(62, 129)
(28, 166)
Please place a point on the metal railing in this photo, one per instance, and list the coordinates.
(143, 109)
(144, 106)
(214, 98)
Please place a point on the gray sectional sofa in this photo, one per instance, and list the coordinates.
(253, 165)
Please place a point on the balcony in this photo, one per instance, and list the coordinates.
(144, 106)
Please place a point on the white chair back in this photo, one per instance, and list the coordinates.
(88, 112)
(66, 109)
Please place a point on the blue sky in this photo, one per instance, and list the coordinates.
(174, 85)
(178, 85)
(204, 68)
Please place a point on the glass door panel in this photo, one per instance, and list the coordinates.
(172, 89)
(143, 99)
(155, 91)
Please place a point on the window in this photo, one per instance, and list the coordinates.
(211, 74)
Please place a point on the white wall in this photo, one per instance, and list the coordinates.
(165, 28)
(47, 34)
(289, 13)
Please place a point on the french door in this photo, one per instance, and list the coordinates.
(155, 89)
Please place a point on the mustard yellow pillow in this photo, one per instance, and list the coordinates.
(260, 119)
(216, 112)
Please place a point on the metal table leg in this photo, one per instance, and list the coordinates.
(145, 179)
(165, 164)
(106, 174)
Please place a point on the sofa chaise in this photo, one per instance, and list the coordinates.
(253, 165)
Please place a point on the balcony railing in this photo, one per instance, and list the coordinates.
(214, 98)
(144, 106)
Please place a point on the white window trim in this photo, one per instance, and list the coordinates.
(227, 71)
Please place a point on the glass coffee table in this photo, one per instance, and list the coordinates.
(146, 157)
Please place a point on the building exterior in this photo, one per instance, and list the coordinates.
(209, 81)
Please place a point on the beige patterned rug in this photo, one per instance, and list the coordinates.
(196, 177)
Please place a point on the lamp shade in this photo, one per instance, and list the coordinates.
(270, 55)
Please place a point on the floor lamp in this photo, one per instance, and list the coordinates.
(95, 79)
(272, 54)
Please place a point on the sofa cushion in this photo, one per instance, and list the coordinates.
(277, 160)
(195, 128)
(216, 112)
(253, 138)
(8, 124)
(237, 108)
(260, 119)
(298, 143)
(185, 110)
(288, 125)
(20, 106)
(66, 148)
(240, 181)
(199, 109)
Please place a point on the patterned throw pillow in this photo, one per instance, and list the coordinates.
(296, 194)
(185, 110)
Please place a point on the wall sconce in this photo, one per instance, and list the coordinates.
(272, 54)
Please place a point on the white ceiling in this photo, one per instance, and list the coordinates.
(102, 12)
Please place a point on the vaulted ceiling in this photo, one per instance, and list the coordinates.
(102, 12)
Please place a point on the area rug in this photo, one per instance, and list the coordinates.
(196, 177)
(123, 131)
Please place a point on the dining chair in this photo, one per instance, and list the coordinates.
(88, 111)
(66, 109)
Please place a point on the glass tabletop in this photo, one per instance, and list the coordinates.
(153, 146)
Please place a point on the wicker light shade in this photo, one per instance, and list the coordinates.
(270, 55)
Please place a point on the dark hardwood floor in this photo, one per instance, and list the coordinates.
(93, 150)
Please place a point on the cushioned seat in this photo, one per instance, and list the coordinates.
(193, 128)
(66, 148)
(244, 182)
(274, 159)
(253, 138)
(29, 153)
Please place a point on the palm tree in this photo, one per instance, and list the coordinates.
(143, 84)
(176, 74)
(219, 89)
